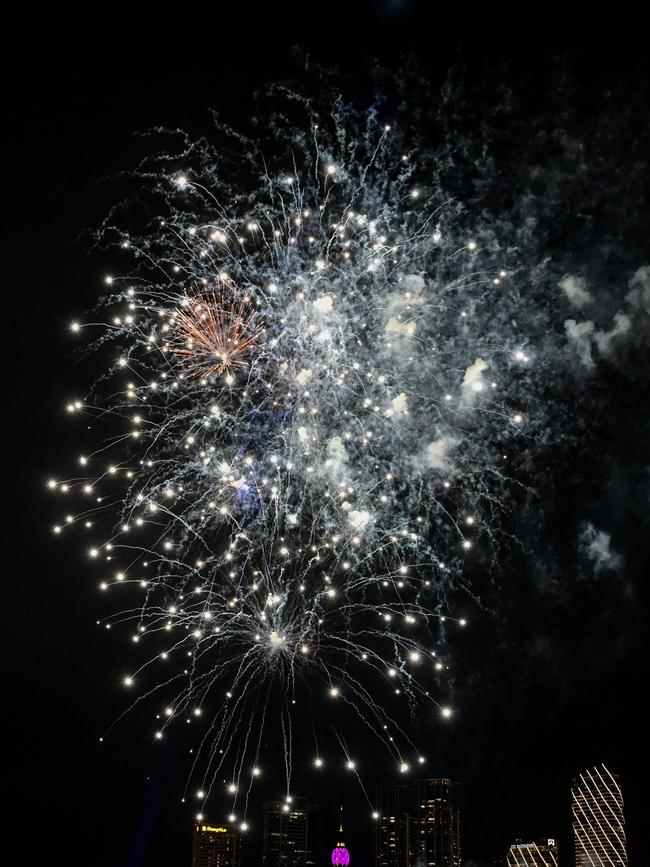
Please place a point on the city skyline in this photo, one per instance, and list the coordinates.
(419, 823)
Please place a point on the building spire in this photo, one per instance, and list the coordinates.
(340, 855)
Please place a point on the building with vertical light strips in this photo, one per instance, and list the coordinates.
(532, 854)
(598, 821)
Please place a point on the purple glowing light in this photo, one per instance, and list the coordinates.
(340, 855)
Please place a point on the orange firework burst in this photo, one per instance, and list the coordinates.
(215, 330)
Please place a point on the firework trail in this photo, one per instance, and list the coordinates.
(316, 379)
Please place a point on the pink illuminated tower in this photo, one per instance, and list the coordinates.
(340, 855)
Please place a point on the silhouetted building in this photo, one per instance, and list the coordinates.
(418, 825)
(215, 845)
(543, 854)
(598, 820)
(288, 833)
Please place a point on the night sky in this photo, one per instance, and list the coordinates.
(555, 682)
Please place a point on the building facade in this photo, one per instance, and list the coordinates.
(393, 829)
(418, 824)
(288, 834)
(542, 854)
(598, 820)
(215, 845)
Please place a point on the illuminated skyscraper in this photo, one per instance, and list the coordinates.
(288, 833)
(598, 821)
(215, 845)
(418, 825)
(532, 854)
(436, 829)
(393, 830)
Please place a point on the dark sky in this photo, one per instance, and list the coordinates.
(528, 721)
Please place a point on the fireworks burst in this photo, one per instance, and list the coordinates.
(213, 334)
(305, 449)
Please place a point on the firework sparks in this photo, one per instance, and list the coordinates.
(214, 331)
(304, 464)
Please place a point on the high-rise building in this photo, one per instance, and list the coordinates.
(436, 837)
(543, 854)
(215, 845)
(418, 825)
(288, 833)
(598, 820)
(393, 829)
